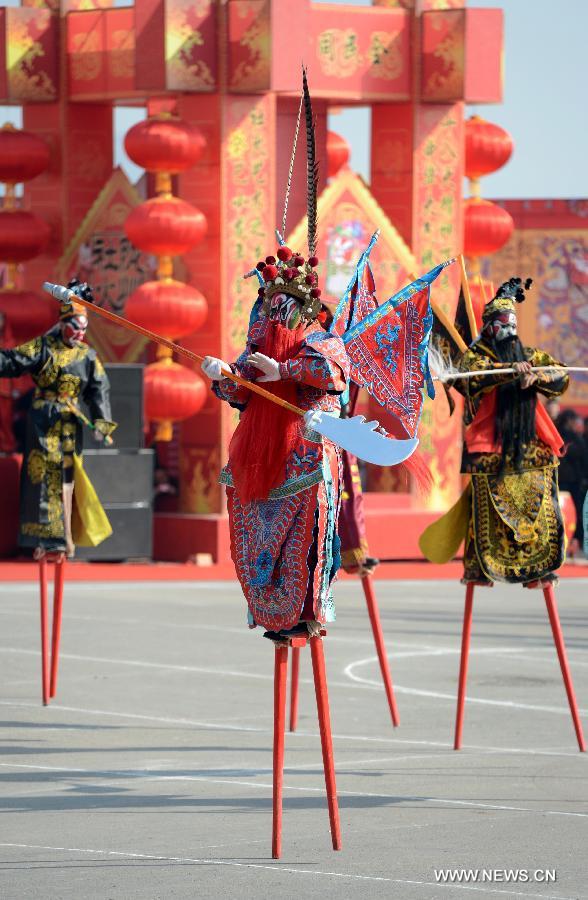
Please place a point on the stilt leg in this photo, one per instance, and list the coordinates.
(463, 667)
(44, 631)
(294, 680)
(322, 703)
(560, 646)
(280, 679)
(374, 614)
(56, 631)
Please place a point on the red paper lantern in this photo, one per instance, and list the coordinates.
(168, 307)
(172, 393)
(27, 313)
(22, 155)
(487, 147)
(164, 145)
(22, 235)
(487, 227)
(338, 153)
(165, 226)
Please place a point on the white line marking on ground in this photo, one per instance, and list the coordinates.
(279, 868)
(224, 726)
(356, 680)
(146, 775)
(349, 671)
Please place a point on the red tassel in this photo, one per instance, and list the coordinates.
(416, 467)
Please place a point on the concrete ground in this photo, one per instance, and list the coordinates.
(150, 775)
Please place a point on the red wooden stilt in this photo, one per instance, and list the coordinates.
(56, 631)
(374, 614)
(280, 679)
(44, 631)
(322, 703)
(463, 667)
(294, 681)
(560, 646)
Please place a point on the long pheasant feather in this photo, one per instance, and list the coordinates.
(311, 168)
(291, 169)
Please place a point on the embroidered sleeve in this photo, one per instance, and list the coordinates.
(551, 383)
(22, 360)
(96, 394)
(328, 371)
(235, 394)
(477, 386)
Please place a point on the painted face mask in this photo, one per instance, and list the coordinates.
(73, 330)
(285, 310)
(502, 327)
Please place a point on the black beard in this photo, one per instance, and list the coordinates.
(515, 407)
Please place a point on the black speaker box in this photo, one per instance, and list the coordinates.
(123, 480)
(126, 399)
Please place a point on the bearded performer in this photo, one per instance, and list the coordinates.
(509, 515)
(64, 369)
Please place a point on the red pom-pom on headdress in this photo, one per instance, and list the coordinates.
(270, 260)
(284, 253)
(260, 265)
(315, 292)
(269, 272)
(313, 261)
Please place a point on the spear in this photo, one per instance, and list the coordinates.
(500, 370)
(355, 434)
(83, 418)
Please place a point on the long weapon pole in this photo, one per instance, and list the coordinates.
(182, 351)
(499, 370)
(83, 418)
(467, 297)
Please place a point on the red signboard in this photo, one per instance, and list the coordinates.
(360, 52)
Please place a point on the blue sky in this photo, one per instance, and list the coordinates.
(544, 108)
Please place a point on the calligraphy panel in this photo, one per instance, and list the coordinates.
(249, 192)
(364, 54)
(438, 236)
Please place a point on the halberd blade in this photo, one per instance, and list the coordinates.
(360, 438)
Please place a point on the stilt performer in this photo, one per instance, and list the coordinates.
(58, 505)
(283, 481)
(509, 515)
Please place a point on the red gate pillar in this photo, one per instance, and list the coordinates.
(249, 141)
(80, 138)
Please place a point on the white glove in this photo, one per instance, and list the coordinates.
(213, 368)
(269, 366)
